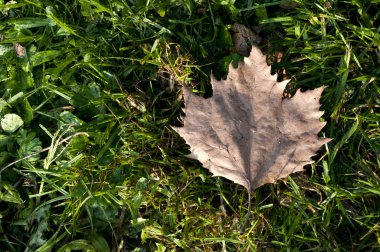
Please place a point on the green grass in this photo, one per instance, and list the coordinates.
(96, 167)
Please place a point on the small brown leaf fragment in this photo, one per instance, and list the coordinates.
(244, 38)
(279, 57)
(278, 60)
(246, 131)
(20, 50)
(288, 4)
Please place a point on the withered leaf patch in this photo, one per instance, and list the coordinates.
(247, 131)
(244, 38)
(20, 50)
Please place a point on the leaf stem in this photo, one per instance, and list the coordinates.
(248, 215)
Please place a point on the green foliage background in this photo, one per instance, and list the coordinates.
(94, 165)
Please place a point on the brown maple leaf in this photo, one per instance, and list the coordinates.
(247, 132)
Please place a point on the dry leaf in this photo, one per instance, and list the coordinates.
(244, 38)
(20, 50)
(247, 132)
(288, 4)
